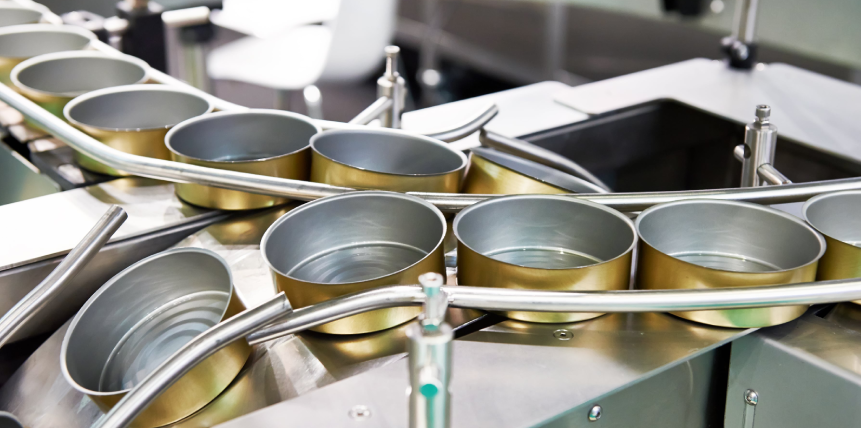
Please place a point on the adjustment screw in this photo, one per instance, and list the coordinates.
(360, 412)
(595, 413)
(751, 397)
(563, 334)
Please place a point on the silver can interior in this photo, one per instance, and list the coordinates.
(143, 315)
(730, 236)
(77, 75)
(17, 16)
(837, 215)
(388, 152)
(28, 44)
(548, 232)
(153, 109)
(241, 136)
(537, 171)
(354, 237)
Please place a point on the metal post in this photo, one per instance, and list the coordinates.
(740, 47)
(430, 359)
(760, 141)
(393, 86)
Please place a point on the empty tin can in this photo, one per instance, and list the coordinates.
(837, 216)
(698, 244)
(493, 172)
(19, 42)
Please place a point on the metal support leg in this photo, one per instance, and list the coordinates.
(393, 86)
(430, 359)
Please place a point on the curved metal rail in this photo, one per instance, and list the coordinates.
(303, 190)
(74, 262)
(494, 299)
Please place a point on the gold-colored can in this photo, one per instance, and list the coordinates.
(386, 159)
(54, 79)
(20, 42)
(703, 243)
(355, 242)
(264, 142)
(837, 216)
(492, 172)
(544, 242)
(139, 318)
(133, 119)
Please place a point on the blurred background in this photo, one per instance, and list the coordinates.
(265, 53)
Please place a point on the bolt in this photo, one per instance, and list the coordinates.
(563, 334)
(360, 412)
(763, 113)
(751, 397)
(595, 413)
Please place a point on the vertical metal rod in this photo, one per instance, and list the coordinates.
(744, 22)
(393, 86)
(74, 262)
(430, 359)
(760, 140)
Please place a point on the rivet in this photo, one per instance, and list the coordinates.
(751, 397)
(360, 412)
(595, 413)
(563, 334)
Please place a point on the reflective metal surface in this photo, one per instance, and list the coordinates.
(14, 14)
(718, 244)
(28, 308)
(354, 242)
(603, 355)
(494, 172)
(133, 119)
(836, 216)
(20, 42)
(544, 243)
(266, 142)
(385, 160)
(20, 180)
(52, 80)
(142, 316)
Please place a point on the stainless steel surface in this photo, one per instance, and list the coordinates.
(538, 171)
(541, 155)
(351, 243)
(20, 180)
(711, 86)
(496, 381)
(483, 115)
(805, 373)
(760, 141)
(23, 311)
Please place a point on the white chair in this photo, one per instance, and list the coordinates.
(346, 48)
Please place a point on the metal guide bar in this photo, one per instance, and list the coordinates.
(251, 323)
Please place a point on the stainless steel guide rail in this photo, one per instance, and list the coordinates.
(251, 323)
(450, 202)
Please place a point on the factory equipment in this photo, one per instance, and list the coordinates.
(666, 262)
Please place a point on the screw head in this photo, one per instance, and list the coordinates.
(751, 397)
(392, 50)
(360, 412)
(563, 334)
(595, 413)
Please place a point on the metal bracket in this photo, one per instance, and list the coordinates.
(757, 152)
